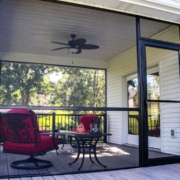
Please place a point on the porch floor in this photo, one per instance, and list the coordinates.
(114, 156)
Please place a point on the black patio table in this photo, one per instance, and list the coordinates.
(87, 140)
(82, 141)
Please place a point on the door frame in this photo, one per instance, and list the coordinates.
(143, 125)
(130, 138)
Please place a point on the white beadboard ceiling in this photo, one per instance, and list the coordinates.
(29, 26)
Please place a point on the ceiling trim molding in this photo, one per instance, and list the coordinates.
(52, 60)
(153, 4)
(126, 12)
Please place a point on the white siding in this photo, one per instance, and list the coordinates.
(118, 67)
(170, 115)
(126, 64)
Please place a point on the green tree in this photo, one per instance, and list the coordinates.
(80, 88)
(21, 82)
(25, 84)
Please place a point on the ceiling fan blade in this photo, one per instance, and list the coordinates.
(59, 43)
(60, 48)
(89, 46)
(77, 42)
(79, 51)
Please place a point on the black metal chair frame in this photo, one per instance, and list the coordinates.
(31, 160)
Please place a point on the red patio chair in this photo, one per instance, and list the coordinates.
(86, 121)
(22, 136)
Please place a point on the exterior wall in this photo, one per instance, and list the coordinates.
(118, 67)
(170, 115)
(126, 64)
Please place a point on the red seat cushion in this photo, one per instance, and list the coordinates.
(44, 145)
(46, 132)
(86, 120)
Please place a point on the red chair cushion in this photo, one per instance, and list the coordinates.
(86, 120)
(45, 145)
(44, 131)
(25, 134)
(25, 111)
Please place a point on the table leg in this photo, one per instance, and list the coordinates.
(95, 155)
(57, 151)
(83, 142)
(62, 146)
(63, 141)
(90, 151)
(64, 136)
(79, 151)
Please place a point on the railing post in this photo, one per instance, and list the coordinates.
(105, 127)
(53, 120)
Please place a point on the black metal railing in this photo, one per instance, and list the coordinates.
(153, 125)
(65, 121)
(133, 124)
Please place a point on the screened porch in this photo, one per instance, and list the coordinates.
(63, 60)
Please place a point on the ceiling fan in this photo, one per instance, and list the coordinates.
(75, 46)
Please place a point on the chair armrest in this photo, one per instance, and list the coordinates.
(52, 133)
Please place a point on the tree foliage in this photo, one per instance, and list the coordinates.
(25, 84)
(21, 82)
(80, 87)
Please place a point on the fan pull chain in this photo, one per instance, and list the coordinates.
(72, 59)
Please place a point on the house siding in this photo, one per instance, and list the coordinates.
(118, 67)
(126, 64)
(170, 112)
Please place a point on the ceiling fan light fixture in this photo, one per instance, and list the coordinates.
(72, 50)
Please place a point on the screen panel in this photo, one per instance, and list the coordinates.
(163, 117)
(45, 85)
